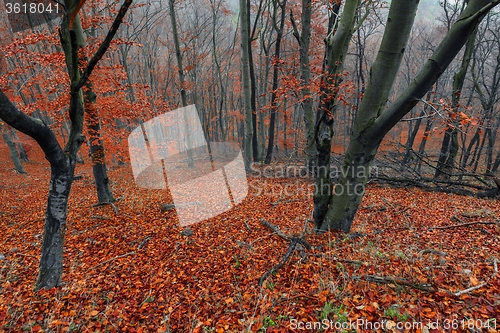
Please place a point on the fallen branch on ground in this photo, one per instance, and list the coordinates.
(144, 241)
(294, 241)
(282, 202)
(114, 258)
(464, 225)
(275, 228)
(100, 217)
(394, 280)
(244, 244)
(468, 290)
(280, 264)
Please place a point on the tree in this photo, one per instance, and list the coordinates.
(336, 50)
(245, 77)
(182, 79)
(304, 39)
(375, 119)
(274, 103)
(62, 160)
(14, 155)
(449, 146)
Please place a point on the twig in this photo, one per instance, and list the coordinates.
(465, 291)
(280, 264)
(244, 244)
(395, 280)
(100, 217)
(275, 229)
(114, 258)
(306, 222)
(147, 299)
(354, 262)
(433, 251)
(464, 225)
(24, 255)
(145, 240)
(294, 241)
(246, 225)
(296, 297)
(283, 201)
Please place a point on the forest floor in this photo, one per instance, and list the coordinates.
(415, 262)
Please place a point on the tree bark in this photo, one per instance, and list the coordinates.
(336, 51)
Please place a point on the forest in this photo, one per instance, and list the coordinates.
(249, 166)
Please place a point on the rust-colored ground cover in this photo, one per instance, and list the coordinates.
(133, 271)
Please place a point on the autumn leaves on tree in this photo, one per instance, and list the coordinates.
(62, 161)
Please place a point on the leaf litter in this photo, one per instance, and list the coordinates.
(412, 257)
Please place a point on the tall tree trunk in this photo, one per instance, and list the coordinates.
(344, 203)
(472, 142)
(253, 82)
(336, 51)
(247, 109)
(411, 138)
(274, 103)
(97, 152)
(496, 164)
(479, 149)
(182, 78)
(304, 40)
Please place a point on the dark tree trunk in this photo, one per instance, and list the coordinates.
(20, 148)
(182, 79)
(253, 82)
(97, 153)
(425, 138)
(479, 149)
(51, 260)
(449, 147)
(304, 40)
(411, 138)
(14, 156)
(446, 148)
(274, 104)
(496, 164)
(335, 53)
(467, 153)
